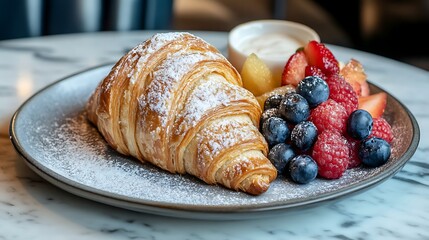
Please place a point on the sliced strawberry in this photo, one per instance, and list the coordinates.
(294, 69)
(354, 73)
(320, 56)
(314, 71)
(375, 104)
(364, 89)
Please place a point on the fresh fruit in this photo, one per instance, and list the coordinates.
(294, 108)
(275, 130)
(331, 153)
(374, 152)
(382, 129)
(294, 69)
(375, 104)
(320, 56)
(272, 112)
(314, 89)
(329, 115)
(282, 90)
(356, 87)
(364, 90)
(303, 135)
(342, 92)
(353, 72)
(303, 169)
(280, 155)
(314, 71)
(273, 101)
(323, 120)
(256, 76)
(359, 124)
(353, 145)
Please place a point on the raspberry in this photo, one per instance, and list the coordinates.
(342, 92)
(331, 153)
(329, 115)
(382, 129)
(353, 145)
(314, 71)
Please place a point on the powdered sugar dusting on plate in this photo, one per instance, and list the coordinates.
(76, 152)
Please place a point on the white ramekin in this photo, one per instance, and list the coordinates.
(241, 33)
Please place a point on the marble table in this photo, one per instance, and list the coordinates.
(32, 208)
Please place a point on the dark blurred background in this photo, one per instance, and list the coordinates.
(393, 28)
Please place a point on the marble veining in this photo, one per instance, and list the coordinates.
(32, 208)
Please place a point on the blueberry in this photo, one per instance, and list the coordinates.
(294, 108)
(314, 89)
(280, 155)
(275, 130)
(303, 135)
(273, 101)
(303, 169)
(359, 124)
(374, 152)
(272, 112)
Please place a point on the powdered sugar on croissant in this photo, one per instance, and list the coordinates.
(176, 102)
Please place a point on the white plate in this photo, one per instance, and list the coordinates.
(53, 136)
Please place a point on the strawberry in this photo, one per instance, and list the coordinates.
(364, 89)
(329, 115)
(294, 69)
(331, 153)
(382, 129)
(342, 92)
(375, 104)
(320, 56)
(354, 74)
(314, 71)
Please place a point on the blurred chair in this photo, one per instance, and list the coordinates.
(30, 18)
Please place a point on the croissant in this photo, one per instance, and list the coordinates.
(176, 102)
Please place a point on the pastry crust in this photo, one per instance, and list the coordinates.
(176, 102)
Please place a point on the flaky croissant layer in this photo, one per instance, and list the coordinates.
(176, 102)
